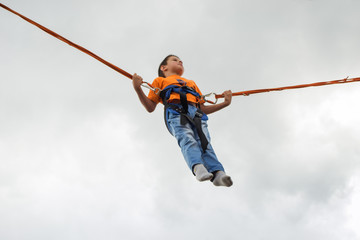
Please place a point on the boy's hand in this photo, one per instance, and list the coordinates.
(137, 81)
(208, 109)
(227, 97)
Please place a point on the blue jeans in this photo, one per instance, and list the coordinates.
(190, 144)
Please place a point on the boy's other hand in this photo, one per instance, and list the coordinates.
(227, 97)
(137, 81)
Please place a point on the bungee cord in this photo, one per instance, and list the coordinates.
(54, 34)
(157, 90)
(316, 84)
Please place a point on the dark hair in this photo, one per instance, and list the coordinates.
(164, 63)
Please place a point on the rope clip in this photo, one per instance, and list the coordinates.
(154, 89)
(204, 97)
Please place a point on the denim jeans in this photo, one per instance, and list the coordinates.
(190, 144)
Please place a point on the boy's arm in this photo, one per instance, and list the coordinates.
(216, 107)
(145, 101)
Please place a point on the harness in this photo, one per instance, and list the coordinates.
(182, 109)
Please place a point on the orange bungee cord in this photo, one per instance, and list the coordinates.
(126, 74)
(157, 90)
(249, 92)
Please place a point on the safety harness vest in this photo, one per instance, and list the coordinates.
(182, 109)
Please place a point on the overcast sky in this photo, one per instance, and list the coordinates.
(81, 159)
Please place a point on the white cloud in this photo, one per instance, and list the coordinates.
(81, 159)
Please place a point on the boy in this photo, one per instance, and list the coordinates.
(186, 118)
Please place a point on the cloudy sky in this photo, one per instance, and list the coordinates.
(81, 159)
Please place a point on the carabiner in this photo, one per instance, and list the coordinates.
(203, 97)
(154, 89)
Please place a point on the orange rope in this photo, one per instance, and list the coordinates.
(126, 74)
(249, 92)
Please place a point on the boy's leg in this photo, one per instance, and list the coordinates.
(209, 157)
(213, 164)
(185, 137)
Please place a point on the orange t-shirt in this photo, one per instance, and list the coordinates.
(162, 83)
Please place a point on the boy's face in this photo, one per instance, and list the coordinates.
(174, 65)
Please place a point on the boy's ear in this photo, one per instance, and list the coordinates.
(163, 68)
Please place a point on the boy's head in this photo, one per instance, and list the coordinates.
(170, 65)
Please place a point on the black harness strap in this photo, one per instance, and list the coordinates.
(183, 111)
